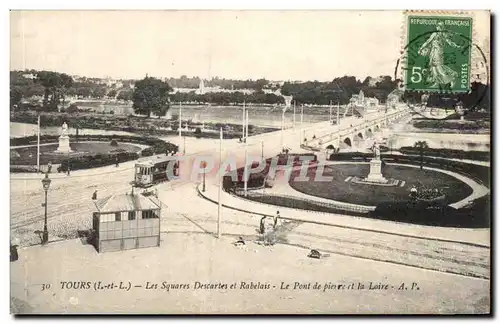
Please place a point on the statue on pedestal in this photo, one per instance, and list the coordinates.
(64, 146)
(64, 129)
(376, 150)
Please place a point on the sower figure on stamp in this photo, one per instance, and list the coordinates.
(439, 73)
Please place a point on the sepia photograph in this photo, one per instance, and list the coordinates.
(182, 162)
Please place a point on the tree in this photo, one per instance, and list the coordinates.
(111, 93)
(151, 96)
(72, 109)
(421, 145)
(15, 96)
(98, 92)
(55, 86)
(124, 95)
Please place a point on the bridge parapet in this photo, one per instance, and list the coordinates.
(351, 131)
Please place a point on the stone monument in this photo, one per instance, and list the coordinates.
(64, 140)
(375, 177)
(288, 101)
(375, 174)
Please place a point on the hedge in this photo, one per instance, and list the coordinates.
(256, 180)
(156, 146)
(448, 153)
(98, 160)
(433, 214)
(480, 173)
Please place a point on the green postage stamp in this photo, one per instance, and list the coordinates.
(438, 53)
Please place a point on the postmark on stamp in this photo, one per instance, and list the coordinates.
(438, 53)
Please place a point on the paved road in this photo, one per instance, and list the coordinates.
(69, 198)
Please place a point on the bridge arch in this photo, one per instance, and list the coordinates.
(368, 133)
(348, 141)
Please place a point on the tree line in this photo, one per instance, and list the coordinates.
(152, 95)
(55, 87)
(227, 84)
(227, 98)
(340, 90)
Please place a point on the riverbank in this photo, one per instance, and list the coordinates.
(134, 124)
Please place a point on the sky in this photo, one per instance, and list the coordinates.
(276, 45)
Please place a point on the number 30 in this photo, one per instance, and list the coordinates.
(416, 75)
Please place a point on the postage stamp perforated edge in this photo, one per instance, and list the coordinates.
(404, 37)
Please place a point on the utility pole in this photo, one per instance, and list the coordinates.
(338, 114)
(243, 123)
(246, 126)
(330, 119)
(282, 127)
(245, 173)
(262, 149)
(180, 122)
(301, 115)
(294, 114)
(221, 175)
(38, 147)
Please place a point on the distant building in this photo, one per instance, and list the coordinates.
(394, 98)
(366, 103)
(201, 89)
(29, 76)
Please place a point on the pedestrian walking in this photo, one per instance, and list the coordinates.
(276, 219)
(117, 161)
(69, 169)
(49, 167)
(262, 225)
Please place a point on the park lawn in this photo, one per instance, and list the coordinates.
(28, 154)
(364, 194)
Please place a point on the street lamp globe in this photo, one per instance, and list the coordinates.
(46, 182)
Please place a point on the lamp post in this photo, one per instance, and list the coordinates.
(459, 108)
(262, 150)
(46, 184)
(203, 165)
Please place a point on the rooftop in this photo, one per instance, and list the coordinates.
(125, 202)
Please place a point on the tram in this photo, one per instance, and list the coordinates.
(155, 170)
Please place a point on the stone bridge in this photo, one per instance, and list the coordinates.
(353, 131)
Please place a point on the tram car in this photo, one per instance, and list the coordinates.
(154, 170)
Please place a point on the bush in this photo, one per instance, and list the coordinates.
(197, 132)
(448, 153)
(72, 109)
(113, 143)
(14, 154)
(477, 172)
(147, 152)
(87, 162)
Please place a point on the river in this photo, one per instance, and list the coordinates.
(257, 115)
(24, 129)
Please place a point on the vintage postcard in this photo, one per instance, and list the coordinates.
(250, 162)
